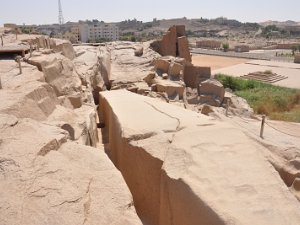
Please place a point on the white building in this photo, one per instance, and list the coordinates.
(95, 32)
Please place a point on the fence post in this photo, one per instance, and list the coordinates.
(227, 106)
(18, 59)
(30, 43)
(262, 126)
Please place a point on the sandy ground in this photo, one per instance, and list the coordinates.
(291, 70)
(216, 62)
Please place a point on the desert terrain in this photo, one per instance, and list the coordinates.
(216, 62)
(139, 133)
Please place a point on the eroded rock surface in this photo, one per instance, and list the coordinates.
(186, 168)
(49, 174)
(46, 180)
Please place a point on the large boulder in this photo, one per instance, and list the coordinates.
(66, 48)
(211, 92)
(183, 49)
(172, 89)
(194, 75)
(80, 123)
(174, 43)
(180, 173)
(60, 74)
(162, 64)
(175, 69)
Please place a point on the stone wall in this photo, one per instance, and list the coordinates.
(210, 44)
(287, 45)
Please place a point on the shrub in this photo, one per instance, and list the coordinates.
(276, 102)
(225, 47)
(268, 72)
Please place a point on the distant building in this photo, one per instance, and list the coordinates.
(97, 31)
(208, 44)
(287, 45)
(73, 38)
(242, 48)
(10, 25)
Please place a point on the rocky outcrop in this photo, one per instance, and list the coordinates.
(61, 75)
(47, 124)
(180, 173)
(174, 43)
(34, 100)
(61, 46)
(104, 60)
(66, 48)
(48, 180)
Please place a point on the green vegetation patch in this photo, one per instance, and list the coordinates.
(279, 103)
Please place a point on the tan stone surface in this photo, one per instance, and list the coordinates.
(184, 168)
(66, 48)
(281, 140)
(47, 181)
(127, 68)
(172, 89)
(62, 77)
(48, 174)
(34, 100)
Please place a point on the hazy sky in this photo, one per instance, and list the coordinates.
(46, 11)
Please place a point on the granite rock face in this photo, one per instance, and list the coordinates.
(53, 170)
(173, 43)
(186, 168)
(48, 180)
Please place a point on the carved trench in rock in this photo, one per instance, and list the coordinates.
(158, 198)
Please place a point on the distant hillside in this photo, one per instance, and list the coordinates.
(195, 27)
(280, 24)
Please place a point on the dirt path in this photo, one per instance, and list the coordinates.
(216, 62)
